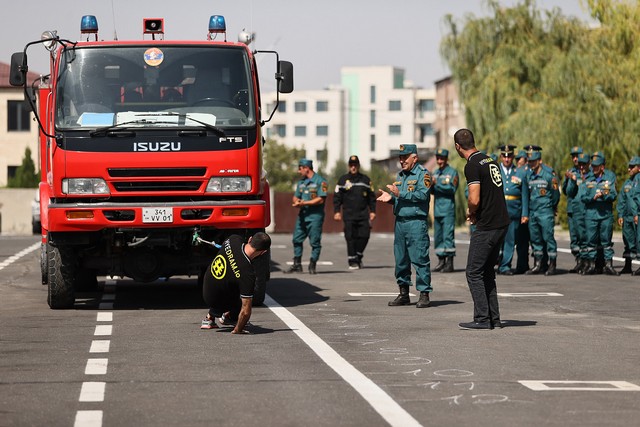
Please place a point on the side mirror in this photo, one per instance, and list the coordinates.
(285, 77)
(18, 72)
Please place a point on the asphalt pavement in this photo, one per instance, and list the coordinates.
(325, 350)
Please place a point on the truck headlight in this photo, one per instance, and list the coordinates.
(85, 186)
(231, 184)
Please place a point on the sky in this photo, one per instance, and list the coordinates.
(319, 37)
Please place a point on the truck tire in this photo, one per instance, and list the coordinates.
(62, 266)
(262, 267)
(44, 264)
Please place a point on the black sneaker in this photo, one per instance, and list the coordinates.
(476, 326)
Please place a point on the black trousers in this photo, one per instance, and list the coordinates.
(484, 249)
(356, 233)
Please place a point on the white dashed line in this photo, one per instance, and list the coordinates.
(100, 346)
(96, 367)
(88, 419)
(104, 317)
(529, 294)
(92, 392)
(103, 330)
(19, 255)
(580, 385)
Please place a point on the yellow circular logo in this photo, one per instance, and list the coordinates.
(218, 267)
(153, 56)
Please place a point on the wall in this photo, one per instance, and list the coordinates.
(15, 211)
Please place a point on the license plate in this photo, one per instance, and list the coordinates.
(157, 215)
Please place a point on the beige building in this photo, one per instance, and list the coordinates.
(18, 129)
(449, 113)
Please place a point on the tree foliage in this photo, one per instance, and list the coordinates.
(26, 176)
(528, 76)
(281, 164)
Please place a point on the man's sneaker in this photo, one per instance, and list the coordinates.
(354, 266)
(208, 324)
(476, 326)
(223, 322)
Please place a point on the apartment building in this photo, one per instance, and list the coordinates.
(371, 112)
(18, 130)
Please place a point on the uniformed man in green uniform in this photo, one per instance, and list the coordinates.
(409, 195)
(627, 210)
(573, 234)
(444, 186)
(544, 195)
(598, 196)
(516, 196)
(572, 188)
(522, 160)
(309, 198)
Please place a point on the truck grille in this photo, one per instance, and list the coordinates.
(157, 186)
(155, 172)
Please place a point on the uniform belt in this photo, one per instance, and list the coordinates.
(507, 197)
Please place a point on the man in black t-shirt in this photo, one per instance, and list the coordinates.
(230, 280)
(487, 210)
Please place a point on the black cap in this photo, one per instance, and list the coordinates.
(353, 160)
(531, 148)
(507, 149)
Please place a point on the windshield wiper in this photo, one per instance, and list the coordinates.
(103, 130)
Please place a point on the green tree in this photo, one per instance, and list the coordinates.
(281, 164)
(26, 176)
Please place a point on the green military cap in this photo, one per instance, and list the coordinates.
(597, 160)
(535, 155)
(442, 152)
(584, 158)
(306, 162)
(575, 150)
(521, 154)
(407, 149)
(635, 161)
(598, 154)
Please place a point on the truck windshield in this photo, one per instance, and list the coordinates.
(107, 85)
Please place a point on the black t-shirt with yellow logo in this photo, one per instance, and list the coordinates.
(230, 275)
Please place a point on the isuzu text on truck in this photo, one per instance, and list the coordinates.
(151, 151)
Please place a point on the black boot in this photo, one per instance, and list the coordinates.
(582, 265)
(608, 268)
(296, 267)
(402, 298)
(312, 266)
(576, 268)
(589, 268)
(448, 265)
(627, 266)
(424, 300)
(441, 262)
(537, 267)
(551, 271)
(636, 273)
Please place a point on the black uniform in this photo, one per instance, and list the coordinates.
(229, 278)
(492, 220)
(356, 197)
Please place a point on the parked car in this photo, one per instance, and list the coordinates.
(35, 214)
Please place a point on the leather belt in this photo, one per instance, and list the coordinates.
(507, 197)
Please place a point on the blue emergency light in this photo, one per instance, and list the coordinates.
(88, 24)
(217, 24)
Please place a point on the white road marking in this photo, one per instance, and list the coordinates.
(7, 262)
(92, 392)
(307, 263)
(88, 419)
(581, 385)
(376, 294)
(100, 346)
(529, 294)
(96, 367)
(103, 330)
(104, 317)
(380, 401)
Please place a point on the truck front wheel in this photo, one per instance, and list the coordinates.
(62, 265)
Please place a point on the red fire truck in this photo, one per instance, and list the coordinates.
(151, 152)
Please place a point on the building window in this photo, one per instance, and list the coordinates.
(427, 130)
(18, 116)
(427, 105)
(372, 143)
(321, 156)
(280, 130)
(11, 171)
(395, 130)
(395, 105)
(282, 107)
(300, 131)
(300, 107)
(322, 130)
(372, 94)
(372, 118)
(322, 106)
